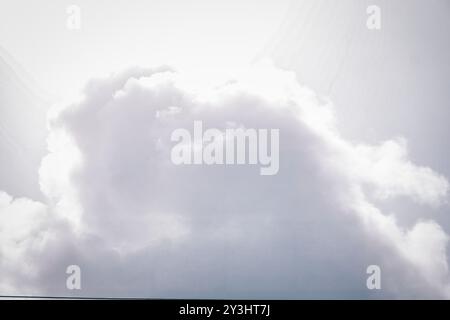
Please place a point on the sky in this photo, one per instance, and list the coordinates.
(193, 35)
(86, 176)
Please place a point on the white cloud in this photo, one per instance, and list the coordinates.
(139, 225)
(23, 231)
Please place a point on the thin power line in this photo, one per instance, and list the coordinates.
(32, 297)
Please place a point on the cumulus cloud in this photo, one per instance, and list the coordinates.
(138, 225)
(23, 230)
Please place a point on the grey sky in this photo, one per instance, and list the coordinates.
(385, 83)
